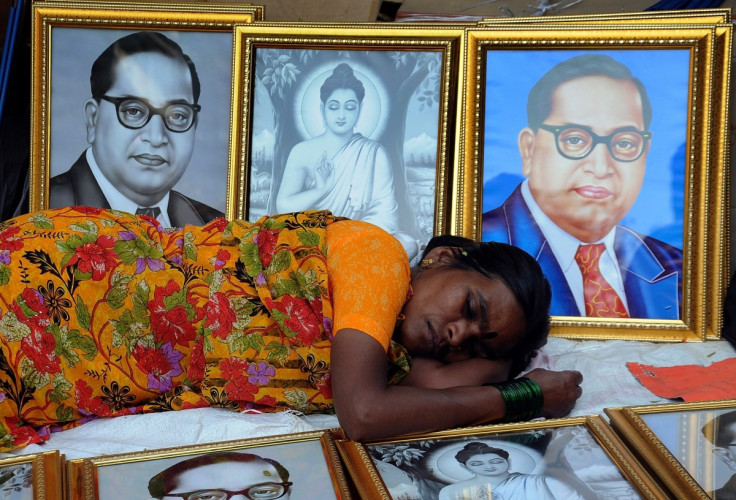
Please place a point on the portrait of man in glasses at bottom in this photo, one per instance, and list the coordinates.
(141, 121)
(222, 476)
(583, 156)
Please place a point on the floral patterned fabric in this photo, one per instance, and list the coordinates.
(104, 313)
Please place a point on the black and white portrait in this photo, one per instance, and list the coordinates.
(16, 482)
(140, 121)
(293, 471)
(351, 131)
(548, 464)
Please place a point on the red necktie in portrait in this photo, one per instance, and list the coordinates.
(601, 300)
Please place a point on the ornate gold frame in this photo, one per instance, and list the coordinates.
(47, 473)
(84, 474)
(370, 484)
(216, 17)
(706, 221)
(683, 461)
(445, 39)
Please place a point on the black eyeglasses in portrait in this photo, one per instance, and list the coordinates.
(136, 112)
(262, 491)
(575, 142)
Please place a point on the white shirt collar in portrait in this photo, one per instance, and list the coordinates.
(117, 200)
(564, 247)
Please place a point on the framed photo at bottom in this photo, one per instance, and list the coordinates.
(570, 458)
(303, 465)
(32, 477)
(691, 447)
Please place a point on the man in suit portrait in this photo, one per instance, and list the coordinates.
(721, 431)
(221, 476)
(584, 156)
(140, 124)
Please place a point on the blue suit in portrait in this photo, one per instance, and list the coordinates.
(651, 269)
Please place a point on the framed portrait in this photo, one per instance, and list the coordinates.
(32, 477)
(626, 240)
(162, 139)
(354, 119)
(686, 16)
(689, 446)
(571, 458)
(303, 465)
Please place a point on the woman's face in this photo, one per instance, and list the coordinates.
(341, 111)
(487, 464)
(457, 314)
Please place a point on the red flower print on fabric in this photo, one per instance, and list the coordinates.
(219, 317)
(39, 347)
(95, 258)
(9, 241)
(266, 241)
(238, 388)
(161, 365)
(300, 318)
(170, 315)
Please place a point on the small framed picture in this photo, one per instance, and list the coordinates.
(304, 465)
(626, 217)
(32, 477)
(356, 120)
(131, 107)
(689, 446)
(572, 458)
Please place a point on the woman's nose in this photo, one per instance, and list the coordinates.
(461, 331)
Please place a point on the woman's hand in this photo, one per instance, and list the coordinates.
(560, 390)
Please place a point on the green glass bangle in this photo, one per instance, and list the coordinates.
(523, 398)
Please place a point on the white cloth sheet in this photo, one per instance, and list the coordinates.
(608, 383)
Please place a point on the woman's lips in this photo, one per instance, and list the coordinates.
(435, 344)
(594, 192)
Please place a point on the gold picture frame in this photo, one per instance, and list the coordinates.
(701, 143)
(38, 476)
(681, 444)
(652, 17)
(408, 74)
(561, 453)
(311, 461)
(68, 37)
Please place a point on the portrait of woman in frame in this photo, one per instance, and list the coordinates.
(558, 459)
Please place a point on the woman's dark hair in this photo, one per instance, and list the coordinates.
(521, 274)
(102, 76)
(163, 482)
(342, 77)
(478, 448)
(539, 103)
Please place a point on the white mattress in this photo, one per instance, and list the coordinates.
(608, 383)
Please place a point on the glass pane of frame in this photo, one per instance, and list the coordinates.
(664, 224)
(83, 155)
(375, 149)
(689, 446)
(555, 459)
(302, 465)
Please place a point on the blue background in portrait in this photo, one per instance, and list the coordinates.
(510, 74)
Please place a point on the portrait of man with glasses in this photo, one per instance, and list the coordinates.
(222, 476)
(584, 158)
(721, 432)
(140, 122)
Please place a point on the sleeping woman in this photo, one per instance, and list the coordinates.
(104, 313)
